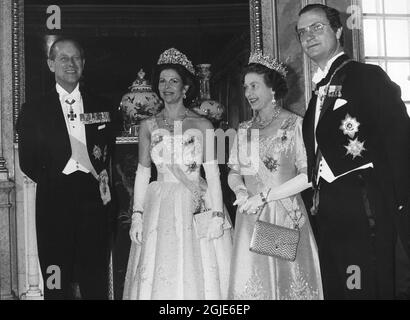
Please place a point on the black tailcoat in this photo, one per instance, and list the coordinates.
(72, 221)
(373, 100)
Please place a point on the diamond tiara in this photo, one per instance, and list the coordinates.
(269, 62)
(174, 56)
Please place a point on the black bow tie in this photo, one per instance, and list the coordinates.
(70, 103)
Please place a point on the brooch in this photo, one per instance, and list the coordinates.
(350, 126)
(271, 163)
(355, 148)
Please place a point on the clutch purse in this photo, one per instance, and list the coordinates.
(202, 221)
(273, 240)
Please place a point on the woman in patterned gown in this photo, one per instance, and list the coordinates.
(171, 256)
(274, 168)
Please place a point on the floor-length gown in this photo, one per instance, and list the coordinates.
(253, 276)
(172, 262)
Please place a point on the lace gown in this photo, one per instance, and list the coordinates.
(172, 262)
(253, 276)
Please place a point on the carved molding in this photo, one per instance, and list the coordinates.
(275, 29)
(256, 25)
(17, 59)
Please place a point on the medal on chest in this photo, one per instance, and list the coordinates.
(355, 148)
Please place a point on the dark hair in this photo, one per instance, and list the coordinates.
(52, 52)
(188, 79)
(332, 15)
(272, 78)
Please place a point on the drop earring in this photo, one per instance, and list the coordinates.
(184, 95)
(273, 101)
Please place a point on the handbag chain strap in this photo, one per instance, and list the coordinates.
(288, 210)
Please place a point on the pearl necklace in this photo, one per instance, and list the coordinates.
(170, 126)
(260, 124)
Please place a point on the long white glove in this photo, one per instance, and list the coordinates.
(290, 187)
(235, 182)
(142, 177)
(215, 229)
(285, 190)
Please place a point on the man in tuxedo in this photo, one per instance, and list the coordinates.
(357, 136)
(65, 144)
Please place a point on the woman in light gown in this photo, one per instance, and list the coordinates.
(172, 257)
(276, 172)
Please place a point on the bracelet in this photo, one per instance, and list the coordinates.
(217, 214)
(241, 187)
(263, 198)
(137, 211)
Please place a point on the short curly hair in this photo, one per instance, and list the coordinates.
(188, 79)
(272, 78)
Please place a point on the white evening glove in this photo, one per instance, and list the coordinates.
(289, 188)
(235, 182)
(215, 228)
(142, 177)
(285, 190)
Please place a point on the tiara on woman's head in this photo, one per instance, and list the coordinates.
(174, 56)
(269, 62)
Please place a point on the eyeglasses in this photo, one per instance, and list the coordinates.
(315, 29)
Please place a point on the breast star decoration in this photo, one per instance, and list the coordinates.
(355, 148)
(97, 152)
(350, 126)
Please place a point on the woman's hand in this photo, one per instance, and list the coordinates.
(252, 205)
(136, 228)
(241, 197)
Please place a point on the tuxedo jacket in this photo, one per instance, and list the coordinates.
(44, 144)
(363, 96)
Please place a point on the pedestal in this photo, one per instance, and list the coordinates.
(7, 243)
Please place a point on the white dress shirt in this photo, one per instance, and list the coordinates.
(74, 127)
(324, 170)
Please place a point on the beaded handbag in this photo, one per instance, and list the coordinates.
(273, 240)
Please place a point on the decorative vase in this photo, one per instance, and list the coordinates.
(139, 104)
(204, 105)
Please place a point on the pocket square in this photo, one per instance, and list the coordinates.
(339, 103)
(101, 127)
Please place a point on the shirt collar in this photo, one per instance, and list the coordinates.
(64, 95)
(321, 74)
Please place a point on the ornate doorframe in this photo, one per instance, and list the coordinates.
(12, 234)
(20, 276)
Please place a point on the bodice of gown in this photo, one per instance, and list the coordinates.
(280, 157)
(183, 150)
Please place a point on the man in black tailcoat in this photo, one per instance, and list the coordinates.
(65, 145)
(357, 135)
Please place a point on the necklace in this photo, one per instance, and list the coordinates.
(170, 126)
(264, 124)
